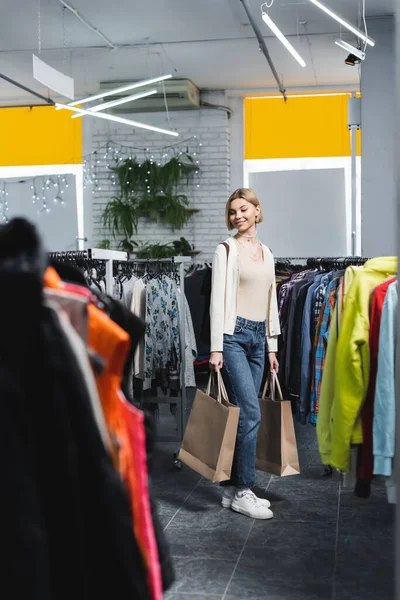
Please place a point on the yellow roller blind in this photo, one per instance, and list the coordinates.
(303, 127)
(39, 136)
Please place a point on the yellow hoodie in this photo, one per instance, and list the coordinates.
(328, 379)
(352, 360)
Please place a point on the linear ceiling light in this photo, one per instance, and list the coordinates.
(352, 49)
(345, 23)
(119, 90)
(116, 119)
(105, 105)
(268, 21)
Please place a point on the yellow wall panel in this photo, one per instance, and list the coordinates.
(39, 136)
(303, 127)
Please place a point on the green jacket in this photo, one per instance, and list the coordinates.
(351, 365)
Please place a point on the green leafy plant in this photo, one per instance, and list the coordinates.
(104, 244)
(179, 247)
(121, 216)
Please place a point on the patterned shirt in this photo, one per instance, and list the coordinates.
(321, 342)
(162, 347)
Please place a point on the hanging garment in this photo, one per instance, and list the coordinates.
(138, 307)
(162, 345)
(321, 343)
(65, 520)
(384, 430)
(112, 343)
(328, 379)
(377, 300)
(190, 342)
(198, 294)
(306, 354)
(295, 371)
(294, 296)
(353, 360)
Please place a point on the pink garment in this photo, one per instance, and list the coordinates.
(143, 522)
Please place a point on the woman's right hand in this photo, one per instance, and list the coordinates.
(216, 361)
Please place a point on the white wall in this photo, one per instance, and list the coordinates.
(378, 85)
(304, 211)
(206, 228)
(59, 227)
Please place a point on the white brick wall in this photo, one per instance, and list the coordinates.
(211, 126)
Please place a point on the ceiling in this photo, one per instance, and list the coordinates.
(208, 41)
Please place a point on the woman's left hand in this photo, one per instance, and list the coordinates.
(273, 363)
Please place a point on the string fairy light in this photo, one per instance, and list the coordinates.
(45, 185)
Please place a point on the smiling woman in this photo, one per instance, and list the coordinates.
(244, 316)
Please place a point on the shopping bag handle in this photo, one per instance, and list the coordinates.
(273, 382)
(221, 389)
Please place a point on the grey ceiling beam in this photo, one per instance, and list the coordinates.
(263, 47)
(48, 101)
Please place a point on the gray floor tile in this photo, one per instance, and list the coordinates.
(284, 593)
(202, 575)
(280, 538)
(281, 555)
(270, 572)
(167, 509)
(215, 542)
(371, 515)
(365, 564)
(306, 497)
(190, 596)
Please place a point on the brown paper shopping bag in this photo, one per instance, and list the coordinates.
(276, 442)
(210, 435)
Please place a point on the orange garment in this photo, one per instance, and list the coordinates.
(112, 343)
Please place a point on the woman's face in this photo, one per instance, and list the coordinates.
(242, 214)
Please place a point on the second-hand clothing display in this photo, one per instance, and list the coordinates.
(152, 293)
(77, 518)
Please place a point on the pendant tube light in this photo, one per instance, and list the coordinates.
(106, 105)
(276, 31)
(345, 23)
(107, 117)
(119, 90)
(352, 49)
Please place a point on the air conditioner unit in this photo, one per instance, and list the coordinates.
(180, 94)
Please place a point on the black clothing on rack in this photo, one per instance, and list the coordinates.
(65, 520)
(198, 294)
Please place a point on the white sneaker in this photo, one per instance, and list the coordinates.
(229, 494)
(248, 504)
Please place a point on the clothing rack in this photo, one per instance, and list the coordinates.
(108, 256)
(112, 258)
(180, 261)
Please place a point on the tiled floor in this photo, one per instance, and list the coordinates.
(323, 544)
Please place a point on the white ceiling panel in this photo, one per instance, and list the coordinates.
(208, 41)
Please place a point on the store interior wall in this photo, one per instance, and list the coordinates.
(378, 87)
(59, 226)
(206, 228)
(292, 225)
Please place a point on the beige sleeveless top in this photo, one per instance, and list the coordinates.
(255, 282)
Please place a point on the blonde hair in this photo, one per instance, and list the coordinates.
(245, 194)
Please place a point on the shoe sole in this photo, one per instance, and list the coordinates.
(247, 513)
(225, 503)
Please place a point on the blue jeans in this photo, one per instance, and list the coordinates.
(244, 358)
